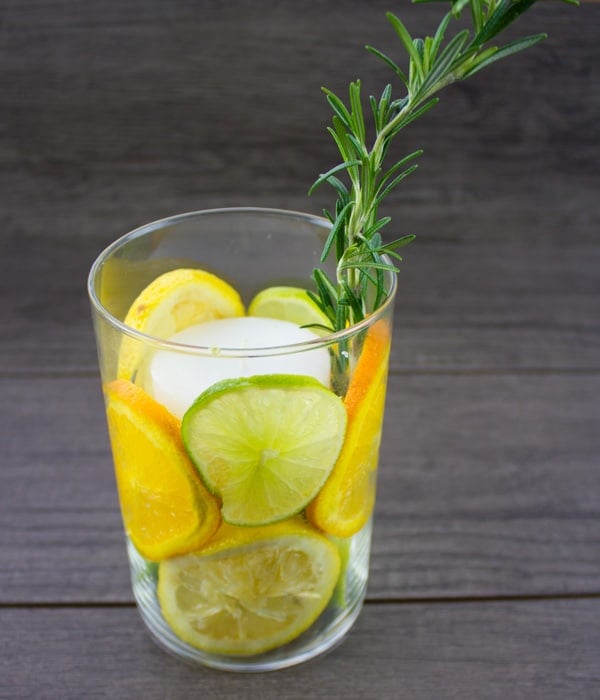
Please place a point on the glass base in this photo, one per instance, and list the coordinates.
(324, 634)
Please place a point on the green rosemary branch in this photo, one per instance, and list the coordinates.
(361, 255)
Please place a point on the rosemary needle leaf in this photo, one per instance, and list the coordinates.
(401, 163)
(341, 315)
(445, 62)
(326, 289)
(477, 14)
(340, 133)
(378, 225)
(386, 59)
(326, 177)
(338, 107)
(439, 35)
(318, 327)
(335, 230)
(381, 194)
(400, 242)
(505, 51)
(361, 263)
(340, 188)
(375, 111)
(506, 13)
(352, 300)
(358, 120)
(358, 145)
(411, 116)
(459, 6)
(406, 39)
(361, 181)
(317, 300)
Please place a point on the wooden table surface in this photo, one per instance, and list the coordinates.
(485, 573)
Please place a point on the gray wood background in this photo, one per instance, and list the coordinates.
(486, 562)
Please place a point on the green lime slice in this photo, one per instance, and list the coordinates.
(265, 444)
(289, 304)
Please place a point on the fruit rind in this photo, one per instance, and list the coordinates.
(346, 501)
(289, 304)
(171, 302)
(269, 466)
(193, 513)
(254, 612)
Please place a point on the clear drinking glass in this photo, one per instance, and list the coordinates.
(267, 591)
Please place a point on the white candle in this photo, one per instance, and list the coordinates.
(177, 379)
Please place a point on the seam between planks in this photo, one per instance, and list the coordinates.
(434, 600)
(398, 371)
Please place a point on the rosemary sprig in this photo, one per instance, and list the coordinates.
(361, 255)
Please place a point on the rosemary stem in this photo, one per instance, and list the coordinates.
(433, 63)
(390, 126)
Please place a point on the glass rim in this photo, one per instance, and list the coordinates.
(264, 351)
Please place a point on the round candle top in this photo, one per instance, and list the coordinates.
(177, 379)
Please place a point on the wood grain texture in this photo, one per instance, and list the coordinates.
(488, 486)
(114, 114)
(459, 307)
(544, 650)
(486, 552)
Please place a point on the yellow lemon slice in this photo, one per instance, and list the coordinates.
(166, 508)
(172, 302)
(122, 278)
(289, 304)
(251, 589)
(345, 503)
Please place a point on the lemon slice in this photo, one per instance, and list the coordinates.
(264, 444)
(345, 503)
(166, 508)
(289, 304)
(172, 302)
(251, 589)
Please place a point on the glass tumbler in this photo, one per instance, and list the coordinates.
(245, 436)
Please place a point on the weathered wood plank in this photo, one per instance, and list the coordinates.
(488, 486)
(459, 307)
(118, 113)
(527, 650)
(60, 531)
(521, 307)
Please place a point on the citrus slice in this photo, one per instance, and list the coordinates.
(172, 302)
(251, 589)
(166, 508)
(264, 444)
(123, 277)
(289, 304)
(345, 503)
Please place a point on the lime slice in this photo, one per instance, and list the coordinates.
(289, 304)
(265, 444)
(250, 589)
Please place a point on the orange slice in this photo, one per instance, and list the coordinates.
(166, 508)
(345, 503)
